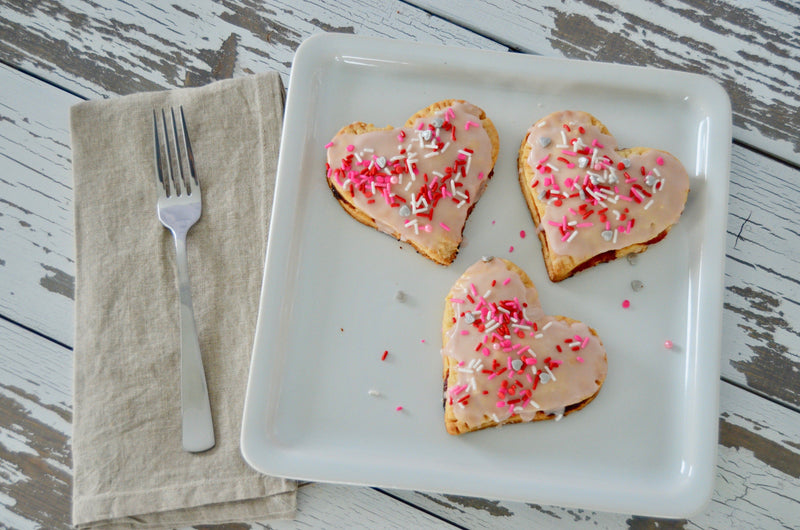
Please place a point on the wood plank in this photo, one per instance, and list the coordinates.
(150, 45)
(761, 322)
(757, 486)
(750, 47)
(36, 234)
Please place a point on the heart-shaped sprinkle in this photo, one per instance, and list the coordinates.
(505, 361)
(592, 201)
(418, 183)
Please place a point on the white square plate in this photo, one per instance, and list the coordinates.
(646, 445)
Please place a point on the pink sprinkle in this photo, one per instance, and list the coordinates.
(548, 181)
(423, 341)
(569, 153)
(492, 221)
(350, 148)
(595, 143)
(585, 342)
(480, 175)
(511, 248)
(465, 332)
(506, 281)
(457, 300)
(668, 344)
(626, 304)
(579, 359)
(399, 408)
(660, 161)
(444, 226)
(400, 138)
(543, 160)
(470, 124)
(328, 145)
(501, 404)
(522, 234)
(486, 352)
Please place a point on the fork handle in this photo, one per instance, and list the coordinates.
(197, 425)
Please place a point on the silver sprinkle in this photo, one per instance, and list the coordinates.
(607, 234)
(626, 163)
(632, 258)
(544, 378)
(405, 211)
(380, 162)
(487, 258)
(516, 364)
(469, 318)
(583, 162)
(637, 285)
(544, 141)
(438, 121)
(427, 134)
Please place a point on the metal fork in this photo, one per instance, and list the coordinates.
(179, 207)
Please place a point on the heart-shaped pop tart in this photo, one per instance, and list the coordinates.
(418, 183)
(505, 361)
(591, 202)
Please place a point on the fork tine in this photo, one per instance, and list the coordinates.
(189, 154)
(178, 157)
(175, 185)
(163, 186)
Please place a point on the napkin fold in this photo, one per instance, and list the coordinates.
(130, 470)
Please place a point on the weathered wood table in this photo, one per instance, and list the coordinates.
(56, 53)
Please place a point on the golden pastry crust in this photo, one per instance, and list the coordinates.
(445, 252)
(560, 267)
(450, 366)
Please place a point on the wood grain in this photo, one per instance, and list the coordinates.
(750, 47)
(149, 45)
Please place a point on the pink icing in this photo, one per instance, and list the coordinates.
(502, 339)
(597, 200)
(419, 181)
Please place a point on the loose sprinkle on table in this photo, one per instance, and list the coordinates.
(522, 234)
(626, 304)
(668, 344)
(385, 353)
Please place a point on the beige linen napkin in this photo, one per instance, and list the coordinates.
(129, 467)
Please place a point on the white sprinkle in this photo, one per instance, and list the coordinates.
(550, 373)
(558, 416)
(487, 293)
(374, 393)
(408, 186)
(432, 153)
(564, 137)
(534, 404)
(572, 236)
(538, 335)
(445, 147)
(358, 157)
(650, 203)
(460, 204)
(437, 174)
(655, 170)
(541, 124)
(547, 325)
(615, 236)
(551, 166)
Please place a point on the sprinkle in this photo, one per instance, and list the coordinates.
(511, 248)
(507, 281)
(374, 393)
(385, 353)
(350, 148)
(668, 344)
(660, 161)
(579, 359)
(444, 226)
(649, 204)
(626, 304)
(469, 124)
(544, 141)
(522, 234)
(399, 408)
(328, 145)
